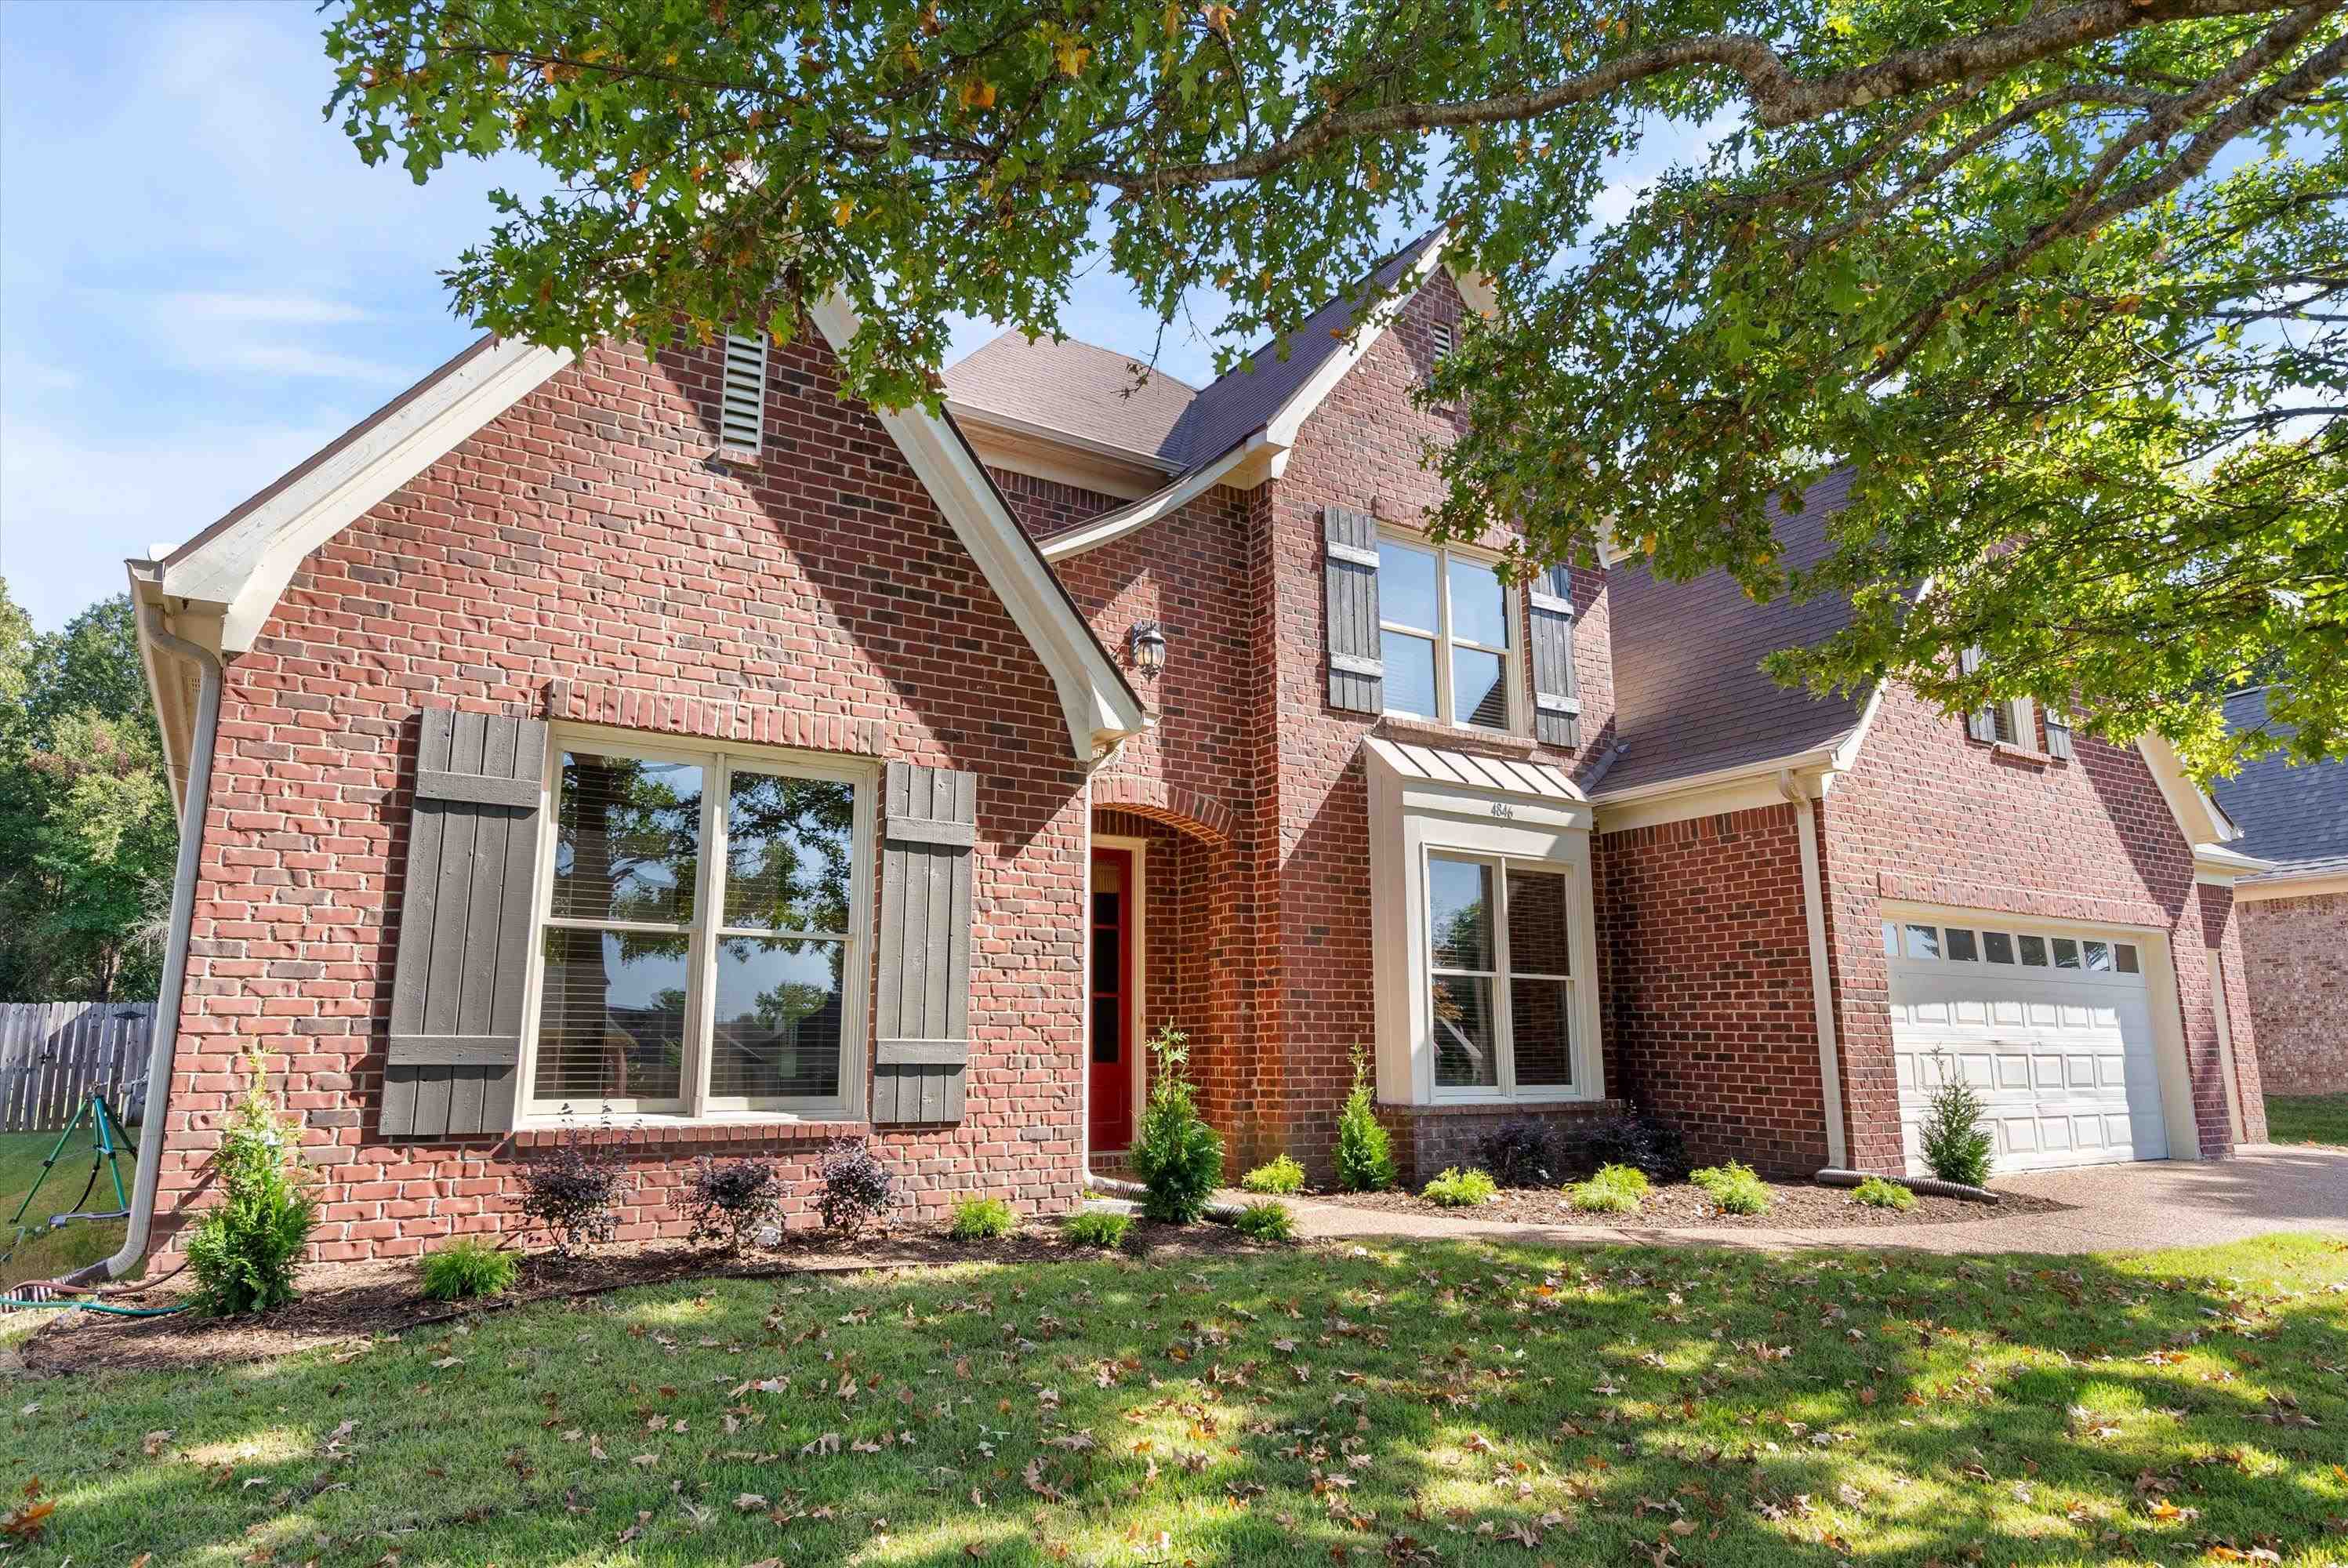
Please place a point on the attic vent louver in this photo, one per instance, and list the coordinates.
(741, 416)
(1442, 335)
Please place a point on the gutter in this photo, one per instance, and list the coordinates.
(172, 990)
(1797, 790)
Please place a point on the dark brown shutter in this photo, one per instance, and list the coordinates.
(922, 1056)
(1357, 672)
(2058, 733)
(465, 923)
(1557, 691)
(1981, 722)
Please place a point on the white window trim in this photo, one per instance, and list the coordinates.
(2022, 715)
(698, 1107)
(1512, 658)
(1409, 822)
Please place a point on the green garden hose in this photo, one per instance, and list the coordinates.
(12, 1303)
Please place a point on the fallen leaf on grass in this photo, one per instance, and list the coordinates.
(157, 1441)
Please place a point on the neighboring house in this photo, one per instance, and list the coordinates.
(672, 744)
(2294, 917)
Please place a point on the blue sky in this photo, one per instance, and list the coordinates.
(200, 283)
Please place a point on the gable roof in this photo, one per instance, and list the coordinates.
(240, 566)
(1096, 396)
(1690, 698)
(2295, 814)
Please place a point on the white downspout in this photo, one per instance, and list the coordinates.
(175, 950)
(1796, 790)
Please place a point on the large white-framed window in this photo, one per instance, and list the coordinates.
(702, 932)
(1447, 635)
(1500, 979)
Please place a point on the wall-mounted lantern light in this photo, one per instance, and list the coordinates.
(1148, 646)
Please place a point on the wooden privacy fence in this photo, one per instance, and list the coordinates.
(52, 1054)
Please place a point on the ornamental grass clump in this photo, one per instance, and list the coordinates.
(1955, 1145)
(466, 1268)
(1283, 1176)
(1877, 1193)
(1177, 1156)
(982, 1219)
(1266, 1220)
(1733, 1188)
(1455, 1189)
(1104, 1229)
(1615, 1190)
(244, 1251)
(1364, 1153)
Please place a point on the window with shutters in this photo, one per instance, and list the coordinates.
(742, 400)
(2011, 721)
(1447, 635)
(703, 939)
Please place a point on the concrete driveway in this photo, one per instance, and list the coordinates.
(2115, 1208)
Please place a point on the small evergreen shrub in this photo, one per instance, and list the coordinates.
(1877, 1193)
(1364, 1153)
(1283, 1176)
(730, 1200)
(1590, 1144)
(1267, 1219)
(1733, 1188)
(1177, 1156)
(244, 1251)
(858, 1190)
(982, 1219)
(1956, 1146)
(1520, 1154)
(1615, 1190)
(574, 1191)
(468, 1268)
(1456, 1189)
(1102, 1228)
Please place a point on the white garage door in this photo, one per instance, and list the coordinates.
(2053, 1027)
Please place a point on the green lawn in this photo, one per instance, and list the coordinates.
(2308, 1117)
(1409, 1403)
(46, 1253)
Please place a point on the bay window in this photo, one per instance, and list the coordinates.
(702, 946)
(1500, 975)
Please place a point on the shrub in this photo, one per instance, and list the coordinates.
(729, 1200)
(1640, 1142)
(1956, 1146)
(1177, 1156)
(1267, 1219)
(982, 1219)
(1877, 1193)
(1461, 1189)
(469, 1267)
(1364, 1153)
(244, 1251)
(1102, 1228)
(1615, 1190)
(1520, 1154)
(1733, 1188)
(1283, 1175)
(573, 1192)
(858, 1190)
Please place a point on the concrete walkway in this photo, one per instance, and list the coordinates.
(2115, 1208)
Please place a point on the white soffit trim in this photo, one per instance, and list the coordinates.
(1264, 455)
(244, 563)
(1100, 707)
(2198, 815)
(2327, 876)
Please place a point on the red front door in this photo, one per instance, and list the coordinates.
(1112, 1000)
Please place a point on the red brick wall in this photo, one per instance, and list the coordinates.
(1712, 1020)
(2295, 962)
(1930, 815)
(584, 536)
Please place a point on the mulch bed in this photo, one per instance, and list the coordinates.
(345, 1303)
(1680, 1206)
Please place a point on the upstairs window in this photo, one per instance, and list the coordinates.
(1446, 637)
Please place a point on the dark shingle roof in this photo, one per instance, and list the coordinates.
(1689, 693)
(1081, 389)
(2291, 813)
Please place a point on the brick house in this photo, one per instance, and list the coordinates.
(2294, 914)
(672, 742)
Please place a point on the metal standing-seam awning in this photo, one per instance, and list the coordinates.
(1541, 780)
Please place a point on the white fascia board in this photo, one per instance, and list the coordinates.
(1111, 526)
(1281, 430)
(1100, 708)
(244, 567)
(2198, 815)
(974, 414)
(1741, 787)
(2288, 881)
